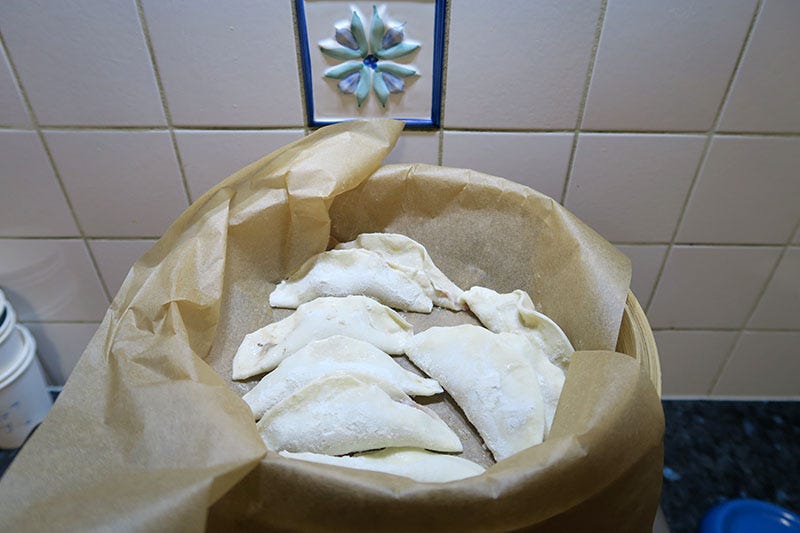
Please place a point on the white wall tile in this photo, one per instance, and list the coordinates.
(710, 286)
(82, 62)
(690, 359)
(51, 280)
(632, 187)
(665, 65)
(60, 345)
(518, 64)
(31, 201)
(115, 258)
(748, 191)
(210, 156)
(764, 95)
(538, 160)
(762, 364)
(779, 307)
(227, 63)
(415, 147)
(12, 108)
(645, 261)
(121, 183)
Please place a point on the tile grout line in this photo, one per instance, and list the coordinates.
(298, 56)
(445, 55)
(752, 311)
(706, 149)
(731, 330)
(598, 30)
(56, 172)
(167, 115)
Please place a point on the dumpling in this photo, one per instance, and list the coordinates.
(489, 376)
(406, 253)
(327, 356)
(341, 414)
(419, 465)
(358, 317)
(514, 312)
(344, 272)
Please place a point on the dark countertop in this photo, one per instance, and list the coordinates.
(715, 451)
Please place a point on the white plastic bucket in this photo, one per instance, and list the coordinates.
(24, 400)
(10, 343)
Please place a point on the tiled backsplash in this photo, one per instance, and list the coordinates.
(672, 128)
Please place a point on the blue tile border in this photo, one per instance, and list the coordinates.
(440, 8)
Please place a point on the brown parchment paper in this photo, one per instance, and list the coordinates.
(151, 433)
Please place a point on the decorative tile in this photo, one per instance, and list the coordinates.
(690, 359)
(115, 258)
(226, 63)
(51, 280)
(710, 286)
(210, 156)
(779, 307)
(31, 202)
(365, 59)
(665, 65)
(415, 147)
(83, 62)
(645, 261)
(518, 64)
(762, 364)
(629, 187)
(12, 108)
(764, 95)
(121, 183)
(538, 160)
(60, 345)
(747, 192)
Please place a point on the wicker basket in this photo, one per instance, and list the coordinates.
(636, 339)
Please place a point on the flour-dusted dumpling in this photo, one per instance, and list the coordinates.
(358, 317)
(339, 414)
(489, 376)
(327, 356)
(406, 253)
(345, 272)
(514, 312)
(419, 465)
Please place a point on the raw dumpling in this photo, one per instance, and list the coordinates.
(341, 414)
(405, 253)
(327, 356)
(419, 465)
(358, 317)
(344, 272)
(514, 312)
(489, 376)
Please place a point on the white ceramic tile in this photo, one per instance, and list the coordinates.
(764, 95)
(12, 108)
(690, 359)
(115, 258)
(762, 364)
(227, 63)
(747, 192)
(710, 286)
(665, 65)
(538, 160)
(779, 307)
(60, 345)
(415, 101)
(82, 62)
(415, 147)
(31, 201)
(121, 183)
(630, 188)
(51, 280)
(518, 64)
(210, 156)
(646, 261)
